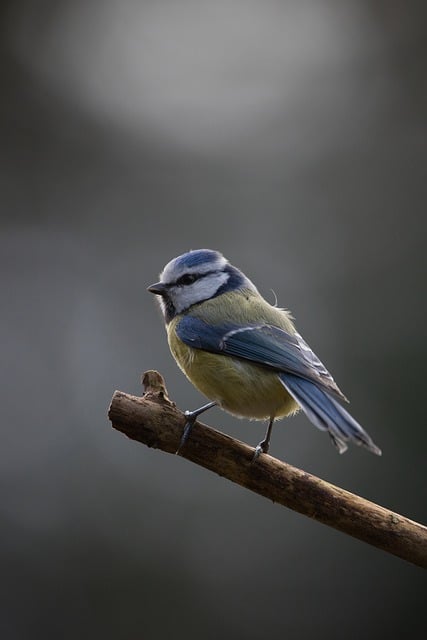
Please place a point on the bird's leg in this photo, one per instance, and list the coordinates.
(191, 419)
(264, 445)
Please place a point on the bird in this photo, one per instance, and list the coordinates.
(244, 354)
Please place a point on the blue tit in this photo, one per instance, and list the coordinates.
(244, 354)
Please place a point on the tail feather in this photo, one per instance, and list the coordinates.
(327, 414)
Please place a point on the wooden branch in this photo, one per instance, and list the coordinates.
(155, 421)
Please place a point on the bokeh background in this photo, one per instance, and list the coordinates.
(292, 137)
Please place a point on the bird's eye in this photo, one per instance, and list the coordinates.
(187, 278)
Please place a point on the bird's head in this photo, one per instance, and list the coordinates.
(194, 277)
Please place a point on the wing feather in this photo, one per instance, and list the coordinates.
(300, 371)
(263, 344)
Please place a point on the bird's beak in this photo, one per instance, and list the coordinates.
(159, 288)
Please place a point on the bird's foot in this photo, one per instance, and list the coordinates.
(188, 427)
(191, 419)
(262, 447)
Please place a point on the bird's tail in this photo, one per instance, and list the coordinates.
(327, 414)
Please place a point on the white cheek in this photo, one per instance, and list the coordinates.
(201, 290)
(207, 287)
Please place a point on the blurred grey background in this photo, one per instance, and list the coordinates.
(292, 137)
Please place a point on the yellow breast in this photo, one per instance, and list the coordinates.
(238, 386)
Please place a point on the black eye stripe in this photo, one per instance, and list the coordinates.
(189, 278)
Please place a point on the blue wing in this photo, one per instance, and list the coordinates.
(263, 344)
(299, 370)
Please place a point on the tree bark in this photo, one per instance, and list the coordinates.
(155, 421)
